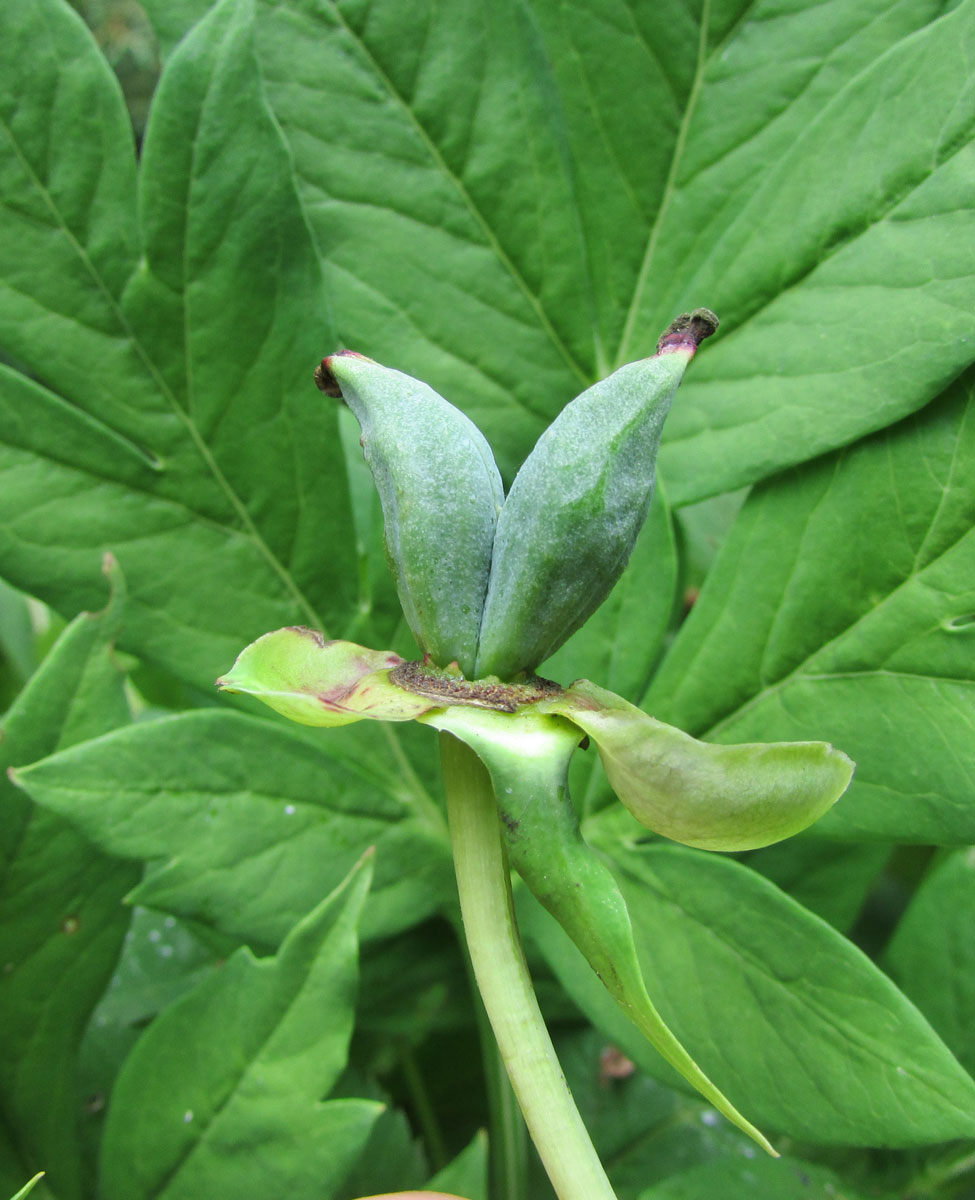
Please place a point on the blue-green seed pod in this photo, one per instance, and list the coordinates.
(577, 504)
(440, 492)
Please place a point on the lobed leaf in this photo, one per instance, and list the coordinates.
(801, 170)
(165, 410)
(62, 920)
(223, 1093)
(248, 822)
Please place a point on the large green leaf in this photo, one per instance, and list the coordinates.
(932, 955)
(467, 1174)
(251, 821)
(61, 915)
(830, 879)
(495, 218)
(738, 1178)
(830, 1050)
(841, 607)
(223, 1094)
(166, 410)
(18, 655)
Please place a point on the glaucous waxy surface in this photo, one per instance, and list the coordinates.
(440, 492)
(573, 514)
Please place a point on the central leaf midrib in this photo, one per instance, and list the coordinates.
(468, 202)
(839, 244)
(669, 187)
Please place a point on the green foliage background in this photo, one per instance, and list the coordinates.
(507, 201)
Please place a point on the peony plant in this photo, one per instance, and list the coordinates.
(491, 585)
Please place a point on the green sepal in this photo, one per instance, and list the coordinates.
(706, 795)
(440, 492)
(527, 755)
(314, 682)
(574, 511)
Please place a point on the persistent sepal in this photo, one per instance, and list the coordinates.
(711, 796)
(314, 682)
(440, 492)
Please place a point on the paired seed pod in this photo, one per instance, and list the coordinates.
(575, 509)
(500, 593)
(440, 492)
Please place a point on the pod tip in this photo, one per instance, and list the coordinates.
(325, 379)
(688, 331)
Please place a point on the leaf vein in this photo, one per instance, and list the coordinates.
(467, 200)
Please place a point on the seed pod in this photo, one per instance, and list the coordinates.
(577, 504)
(440, 492)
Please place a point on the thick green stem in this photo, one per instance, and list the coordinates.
(502, 976)
(508, 1150)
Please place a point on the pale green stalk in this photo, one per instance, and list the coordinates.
(508, 1148)
(502, 977)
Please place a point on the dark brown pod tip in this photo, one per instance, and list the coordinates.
(688, 330)
(325, 380)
